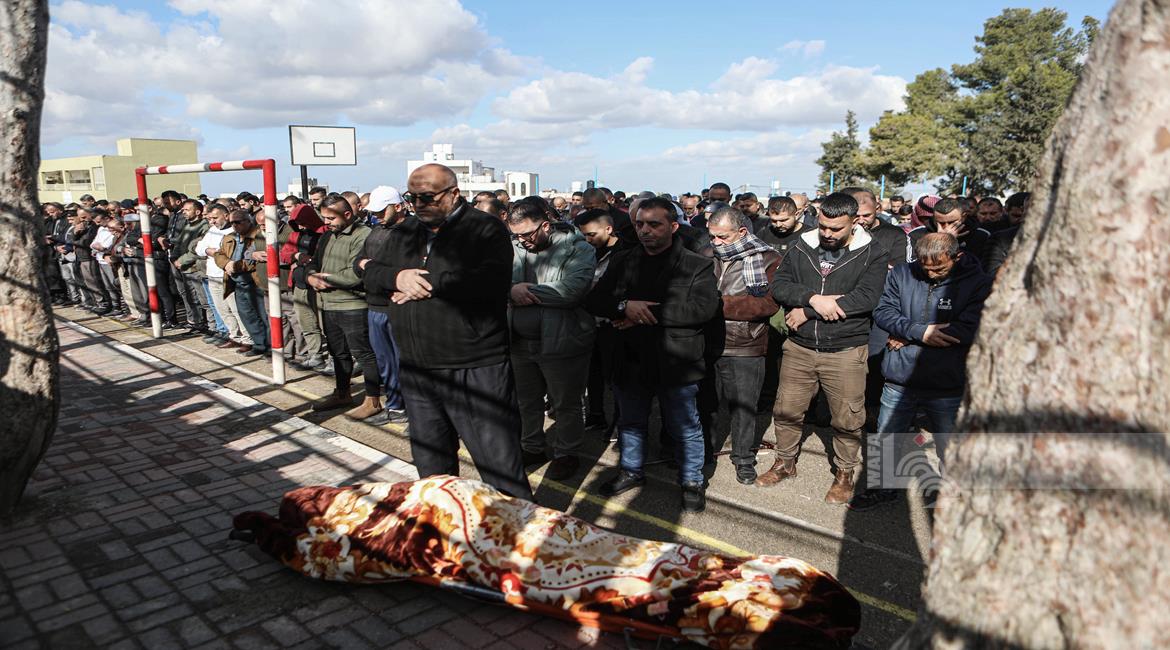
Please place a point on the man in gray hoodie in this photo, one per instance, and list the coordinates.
(552, 334)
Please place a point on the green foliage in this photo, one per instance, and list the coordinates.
(987, 120)
(841, 156)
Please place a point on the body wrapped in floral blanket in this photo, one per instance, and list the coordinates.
(447, 530)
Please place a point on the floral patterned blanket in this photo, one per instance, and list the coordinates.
(447, 529)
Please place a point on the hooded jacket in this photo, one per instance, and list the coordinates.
(857, 277)
(563, 275)
(910, 302)
(302, 239)
(974, 242)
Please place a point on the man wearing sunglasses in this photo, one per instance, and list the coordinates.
(448, 272)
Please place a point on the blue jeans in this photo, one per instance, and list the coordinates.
(253, 311)
(219, 326)
(386, 353)
(900, 405)
(681, 419)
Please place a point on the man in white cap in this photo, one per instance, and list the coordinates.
(387, 206)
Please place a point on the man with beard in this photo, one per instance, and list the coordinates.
(947, 216)
(783, 231)
(1001, 242)
(991, 215)
(595, 199)
(448, 272)
(552, 334)
(829, 284)
(660, 297)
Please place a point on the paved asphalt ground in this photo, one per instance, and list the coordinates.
(879, 555)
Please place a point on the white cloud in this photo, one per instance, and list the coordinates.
(746, 97)
(807, 48)
(250, 64)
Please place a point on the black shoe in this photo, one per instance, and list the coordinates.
(871, 499)
(168, 325)
(562, 468)
(312, 363)
(211, 339)
(623, 482)
(255, 352)
(533, 458)
(694, 497)
(396, 416)
(745, 474)
(102, 311)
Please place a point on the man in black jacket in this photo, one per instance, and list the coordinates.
(448, 271)
(388, 209)
(948, 217)
(660, 297)
(828, 284)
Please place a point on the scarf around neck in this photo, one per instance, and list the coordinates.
(751, 250)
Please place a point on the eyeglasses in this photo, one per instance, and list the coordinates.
(425, 198)
(527, 236)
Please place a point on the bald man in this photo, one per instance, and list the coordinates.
(448, 271)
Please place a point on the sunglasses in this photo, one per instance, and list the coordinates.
(425, 198)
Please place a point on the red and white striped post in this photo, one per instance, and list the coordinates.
(271, 225)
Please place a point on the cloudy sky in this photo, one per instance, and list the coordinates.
(651, 95)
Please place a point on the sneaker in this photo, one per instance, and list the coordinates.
(694, 497)
(141, 322)
(745, 474)
(533, 458)
(396, 416)
(327, 368)
(623, 482)
(210, 339)
(841, 491)
(313, 363)
(562, 468)
(871, 499)
(168, 325)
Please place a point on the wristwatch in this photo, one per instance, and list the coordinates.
(622, 307)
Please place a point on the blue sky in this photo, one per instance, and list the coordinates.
(653, 95)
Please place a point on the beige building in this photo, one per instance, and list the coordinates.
(112, 177)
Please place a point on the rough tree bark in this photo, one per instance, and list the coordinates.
(28, 341)
(1058, 539)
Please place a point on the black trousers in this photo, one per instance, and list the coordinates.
(347, 335)
(601, 371)
(162, 286)
(475, 405)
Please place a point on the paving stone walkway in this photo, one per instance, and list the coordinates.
(121, 541)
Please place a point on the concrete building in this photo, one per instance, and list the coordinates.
(65, 180)
(473, 176)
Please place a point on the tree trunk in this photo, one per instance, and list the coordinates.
(1052, 535)
(28, 340)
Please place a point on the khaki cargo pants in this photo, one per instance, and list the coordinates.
(842, 376)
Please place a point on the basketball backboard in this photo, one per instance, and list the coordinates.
(322, 145)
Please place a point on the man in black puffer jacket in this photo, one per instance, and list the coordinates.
(448, 271)
(828, 283)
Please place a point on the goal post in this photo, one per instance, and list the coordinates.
(271, 226)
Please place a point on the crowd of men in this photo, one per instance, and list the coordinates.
(475, 319)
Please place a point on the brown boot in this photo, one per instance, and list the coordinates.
(783, 468)
(333, 401)
(370, 407)
(842, 488)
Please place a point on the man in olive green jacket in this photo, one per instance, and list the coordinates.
(341, 295)
(552, 334)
